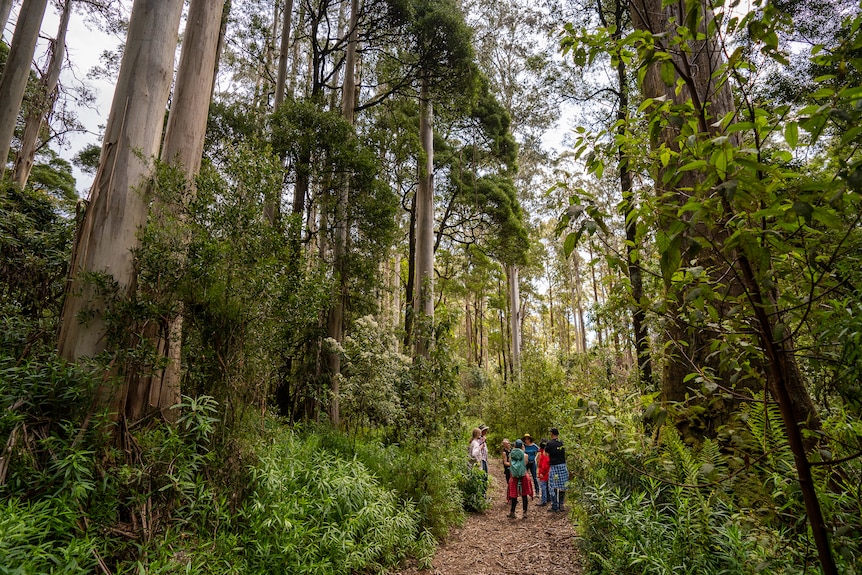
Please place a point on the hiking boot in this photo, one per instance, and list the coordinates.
(511, 515)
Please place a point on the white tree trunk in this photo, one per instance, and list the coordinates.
(424, 285)
(43, 101)
(13, 82)
(335, 325)
(515, 318)
(5, 10)
(117, 208)
(183, 147)
(281, 81)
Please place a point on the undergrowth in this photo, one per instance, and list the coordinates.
(653, 504)
(80, 496)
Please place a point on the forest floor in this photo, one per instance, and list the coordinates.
(490, 543)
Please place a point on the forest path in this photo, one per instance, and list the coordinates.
(490, 543)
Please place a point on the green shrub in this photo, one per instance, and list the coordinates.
(473, 484)
(425, 475)
(313, 511)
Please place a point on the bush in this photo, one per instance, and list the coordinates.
(474, 486)
(426, 476)
(315, 511)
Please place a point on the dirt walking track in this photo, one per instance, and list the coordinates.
(490, 543)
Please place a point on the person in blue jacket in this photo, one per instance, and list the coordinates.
(532, 450)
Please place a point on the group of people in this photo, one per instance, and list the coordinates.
(529, 468)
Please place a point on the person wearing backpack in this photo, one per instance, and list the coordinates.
(520, 483)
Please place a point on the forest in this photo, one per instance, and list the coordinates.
(318, 242)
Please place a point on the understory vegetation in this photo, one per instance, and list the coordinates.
(185, 498)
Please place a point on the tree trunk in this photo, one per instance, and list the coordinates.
(5, 10)
(514, 318)
(13, 82)
(294, 65)
(43, 101)
(281, 81)
(272, 207)
(579, 299)
(221, 34)
(335, 323)
(117, 208)
(424, 307)
(409, 289)
(468, 329)
(551, 329)
(641, 336)
(711, 99)
(183, 147)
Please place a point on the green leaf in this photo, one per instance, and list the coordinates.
(694, 165)
(670, 259)
(823, 93)
(664, 156)
(803, 210)
(668, 74)
(571, 241)
(791, 134)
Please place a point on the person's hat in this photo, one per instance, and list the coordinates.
(483, 427)
(519, 444)
(543, 443)
(526, 435)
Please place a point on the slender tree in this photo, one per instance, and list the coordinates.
(43, 100)
(16, 73)
(423, 297)
(335, 323)
(103, 266)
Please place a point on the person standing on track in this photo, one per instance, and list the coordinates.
(520, 484)
(507, 449)
(558, 475)
(532, 450)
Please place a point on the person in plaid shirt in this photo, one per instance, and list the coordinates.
(558, 476)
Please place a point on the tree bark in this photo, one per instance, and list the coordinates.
(515, 318)
(424, 286)
(335, 323)
(698, 68)
(43, 101)
(13, 82)
(183, 147)
(117, 208)
(5, 10)
(641, 335)
(281, 80)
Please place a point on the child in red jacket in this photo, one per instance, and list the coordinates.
(544, 467)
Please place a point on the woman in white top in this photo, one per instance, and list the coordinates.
(478, 447)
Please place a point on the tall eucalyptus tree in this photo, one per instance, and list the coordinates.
(103, 267)
(42, 102)
(182, 148)
(16, 73)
